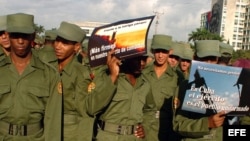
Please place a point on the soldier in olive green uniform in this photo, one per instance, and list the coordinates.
(4, 38)
(195, 126)
(175, 54)
(132, 99)
(30, 99)
(83, 97)
(163, 80)
(47, 52)
(184, 66)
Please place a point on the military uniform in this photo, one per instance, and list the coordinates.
(194, 126)
(30, 101)
(83, 96)
(163, 88)
(82, 100)
(126, 110)
(2, 54)
(47, 54)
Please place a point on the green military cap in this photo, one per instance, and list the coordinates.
(50, 35)
(161, 42)
(226, 50)
(21, 23)
(206, 48)
(85, 46)
(71, 32)
(188, 53)
(177, 49)
(3, 23)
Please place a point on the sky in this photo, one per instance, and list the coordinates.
(176, 18)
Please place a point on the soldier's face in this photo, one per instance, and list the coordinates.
(161, 56)
(21, 43)
(65, 49)
(4, 39)
(185, 65)
(173, 60)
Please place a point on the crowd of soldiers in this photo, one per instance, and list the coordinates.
(49, 92)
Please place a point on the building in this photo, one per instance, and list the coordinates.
(205, 20)
(246, 36)
(227, 18)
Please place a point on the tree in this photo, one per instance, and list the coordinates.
(203, 34)
(39, 29)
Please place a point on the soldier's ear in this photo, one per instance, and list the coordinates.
(77, 47)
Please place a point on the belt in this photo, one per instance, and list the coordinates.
(118, 129)
(19, 130)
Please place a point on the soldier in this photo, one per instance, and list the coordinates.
(122, 119)
(185, 62)
(4, 37)
(163, 80)
(31, 99)
(47, 52)
(175, 54)
(83, 96)
(194, 126)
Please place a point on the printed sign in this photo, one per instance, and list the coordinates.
(213, 88)
(128, 38)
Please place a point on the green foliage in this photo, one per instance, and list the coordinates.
(204, 34)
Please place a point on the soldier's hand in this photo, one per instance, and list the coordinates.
(139, 132)
(113, 65)
(216, 120)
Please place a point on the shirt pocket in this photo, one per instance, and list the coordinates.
(168, 92)
(6, 100)
(120, 103)
(120, 97)
(37, 97)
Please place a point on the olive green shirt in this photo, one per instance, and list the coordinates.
(2, 54)
(30, 98)
(82, 102)
(47, 54)
(192, 126)
(163, 89)
(128, 106)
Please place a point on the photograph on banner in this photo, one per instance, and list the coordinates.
(127, 37)
(213, 88)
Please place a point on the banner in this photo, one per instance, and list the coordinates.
(128, 38)
(213, 88)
